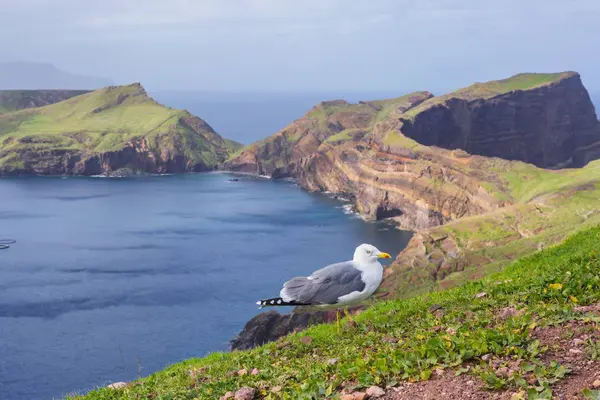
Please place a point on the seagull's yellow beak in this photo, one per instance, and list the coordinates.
(383, 255)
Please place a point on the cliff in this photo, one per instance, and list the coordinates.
(330, 121)
(15, 100)
(425, 161)
(544, 119)
(473, 213)
(113, 131)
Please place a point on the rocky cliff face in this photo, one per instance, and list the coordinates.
(15, 100)
(416, 160)
(115, 131)
(420, 189)
(135, 157)
(548, 125)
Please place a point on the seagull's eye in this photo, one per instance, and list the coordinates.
(369, 251)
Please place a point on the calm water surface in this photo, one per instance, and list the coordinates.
(106, 272)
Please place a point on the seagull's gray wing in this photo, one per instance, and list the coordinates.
(326, 285)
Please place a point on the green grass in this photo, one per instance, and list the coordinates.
(402, 340)
(232, 145)
(517, 82)
(527, 182)
(396, 139)
(345, 135)
(389, 107)
(15, 100)
(490, 89)
(96, 113)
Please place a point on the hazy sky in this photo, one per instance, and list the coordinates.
(305, 45)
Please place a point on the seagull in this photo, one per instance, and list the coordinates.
(339, 284)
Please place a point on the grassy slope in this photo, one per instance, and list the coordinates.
(100, 121)
(108, 129)
(549, 205)
(15, 100)
(403, 340)
(490, 89)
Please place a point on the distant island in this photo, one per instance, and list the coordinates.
(21, 75)
(115, 131)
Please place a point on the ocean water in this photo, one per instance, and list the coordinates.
(111, 278)
(248, 117)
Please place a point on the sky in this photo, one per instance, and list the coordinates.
(305, 45)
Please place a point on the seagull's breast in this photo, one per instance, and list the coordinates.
(372, 274)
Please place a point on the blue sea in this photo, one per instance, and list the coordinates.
(248, 117)
(111, 278)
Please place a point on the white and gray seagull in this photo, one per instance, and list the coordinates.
(342, 284)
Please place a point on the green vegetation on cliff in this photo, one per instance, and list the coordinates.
(107, 120)
(475, 329)
(328, 122)
(15, 100)
(485, 90)
(503, 119)
(546, 207)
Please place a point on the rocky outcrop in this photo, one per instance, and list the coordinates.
(134, 158)
(549, 125)
(270, 325)
(278, 155)
(159, 155)
(15, 100)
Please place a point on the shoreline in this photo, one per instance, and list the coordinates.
(348, 204)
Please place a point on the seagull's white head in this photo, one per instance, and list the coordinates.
(366, 253)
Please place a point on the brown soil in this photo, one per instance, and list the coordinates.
(566, 344)
(446, 387)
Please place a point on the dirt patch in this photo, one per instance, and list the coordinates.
(446, 387)
(570, 344)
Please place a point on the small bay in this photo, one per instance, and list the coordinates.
(111, 278)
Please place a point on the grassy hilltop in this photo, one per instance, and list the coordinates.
(486, 90)
(46, 139)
